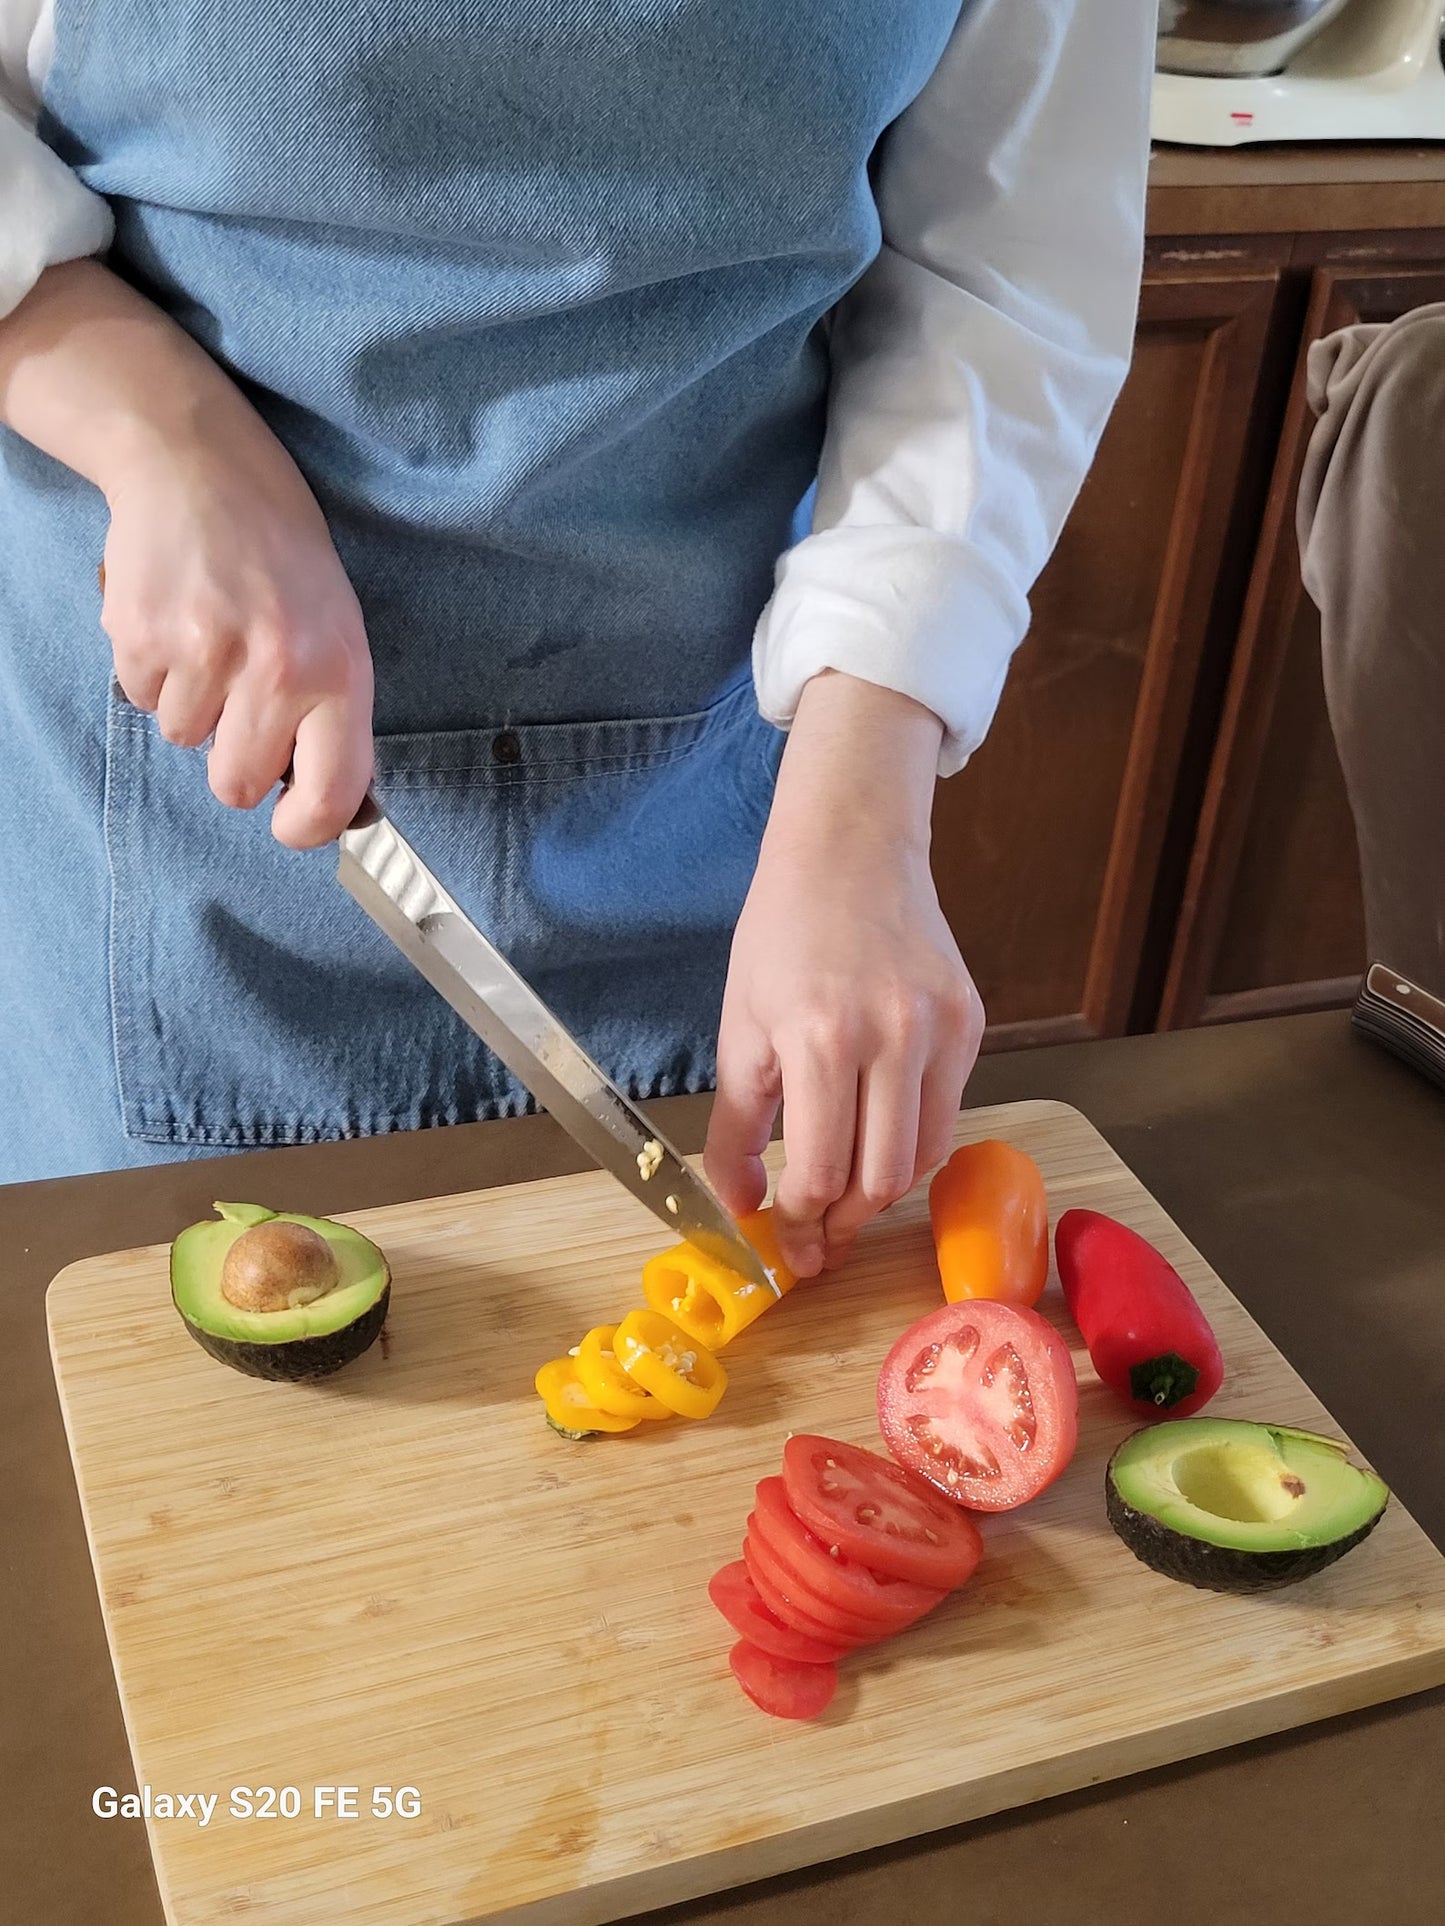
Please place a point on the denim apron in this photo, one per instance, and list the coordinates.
(535, 295)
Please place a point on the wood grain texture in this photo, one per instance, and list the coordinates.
(400, 1577)
(1046, 849)
(1308, 188)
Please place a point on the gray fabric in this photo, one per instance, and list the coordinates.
(1373, 553)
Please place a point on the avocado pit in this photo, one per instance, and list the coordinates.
(278, 1266)
(285, 1297)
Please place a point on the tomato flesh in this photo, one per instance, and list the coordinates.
(795, 1605)
(880, 1513)
(980, 1398)
(736, 1597)
(779, 1686)
(843, 1582)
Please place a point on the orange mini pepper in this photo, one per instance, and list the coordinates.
(607, 1385)
(568, 1405)
(707, 1300)
(659, 1355)
(990, 1218)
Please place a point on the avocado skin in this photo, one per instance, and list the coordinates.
(1217, 1568)
(301, 1359)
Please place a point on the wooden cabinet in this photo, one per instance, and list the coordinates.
(1047, 844)
(1155, 833)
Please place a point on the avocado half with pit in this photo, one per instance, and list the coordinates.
(1238, 1507)
(278, 1295)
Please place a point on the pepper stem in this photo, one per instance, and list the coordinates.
(1163, 1381)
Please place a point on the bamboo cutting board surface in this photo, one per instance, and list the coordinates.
(400, 1577)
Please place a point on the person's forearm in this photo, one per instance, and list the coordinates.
(97, 376)
(859, 758)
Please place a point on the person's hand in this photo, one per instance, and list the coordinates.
(231, 618)
(227, 607)
(846, 997)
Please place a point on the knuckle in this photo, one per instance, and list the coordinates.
(933, 1150)
(202, 642)
(960, 1008)
(134, 644)
(816, 1185)
(886, 1184)
(234, 789)
(271, 661)
(908, 1011)
(825, 1033)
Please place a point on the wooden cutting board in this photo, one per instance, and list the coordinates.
(401, 1578)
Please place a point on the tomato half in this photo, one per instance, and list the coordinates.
(779, 1686)
(842, 1582)
(797, 1607)
(981, 1399)
(736, 1597)
(879, 1513)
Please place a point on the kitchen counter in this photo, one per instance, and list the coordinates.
(1310, 188)
(1307, 1167)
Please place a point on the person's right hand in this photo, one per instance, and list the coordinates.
(231, 617)
(226, 604)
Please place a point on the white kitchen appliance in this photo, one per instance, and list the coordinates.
(1230, 71)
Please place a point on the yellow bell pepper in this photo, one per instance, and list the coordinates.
(607, 1385)
(568, 1405)
(708, 1301)
(659, 1355)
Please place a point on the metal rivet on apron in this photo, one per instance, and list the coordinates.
(506, 747)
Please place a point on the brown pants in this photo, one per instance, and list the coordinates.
(1372, 541)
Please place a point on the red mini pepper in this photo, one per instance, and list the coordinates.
(1147, 1337)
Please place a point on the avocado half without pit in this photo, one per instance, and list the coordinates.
(278, 1295)
(1238, 1507)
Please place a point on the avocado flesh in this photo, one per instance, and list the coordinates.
(1240, 1507)
(305, 1341)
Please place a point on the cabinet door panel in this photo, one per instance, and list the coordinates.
(1271, 918)
(1046, 847)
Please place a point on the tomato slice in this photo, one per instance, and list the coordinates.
(843, 1582)
(981, 1399)
(780, 1686)
(736, 1597)
(863, 1628)
(788, 1600)
(879, 1513)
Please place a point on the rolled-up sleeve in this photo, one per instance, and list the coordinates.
(47, 215)
(975, 363)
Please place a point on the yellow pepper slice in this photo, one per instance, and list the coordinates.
(607, 1385)
(659, 1355)
(711, 1303)
(568, 1405)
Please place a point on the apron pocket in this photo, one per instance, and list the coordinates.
(254, 1004)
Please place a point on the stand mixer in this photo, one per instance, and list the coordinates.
(1231, 71)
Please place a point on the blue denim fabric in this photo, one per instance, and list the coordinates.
(534, 294)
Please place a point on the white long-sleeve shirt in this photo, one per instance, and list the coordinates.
(974, 363)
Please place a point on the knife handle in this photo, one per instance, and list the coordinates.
(368, 811)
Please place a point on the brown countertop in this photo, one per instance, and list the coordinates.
(1307, 1167)
(1310, 188)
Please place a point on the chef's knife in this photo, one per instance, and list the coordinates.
(402, 897)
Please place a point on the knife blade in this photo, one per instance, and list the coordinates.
(380, 869)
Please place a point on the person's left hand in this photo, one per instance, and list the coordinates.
(847, 998)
